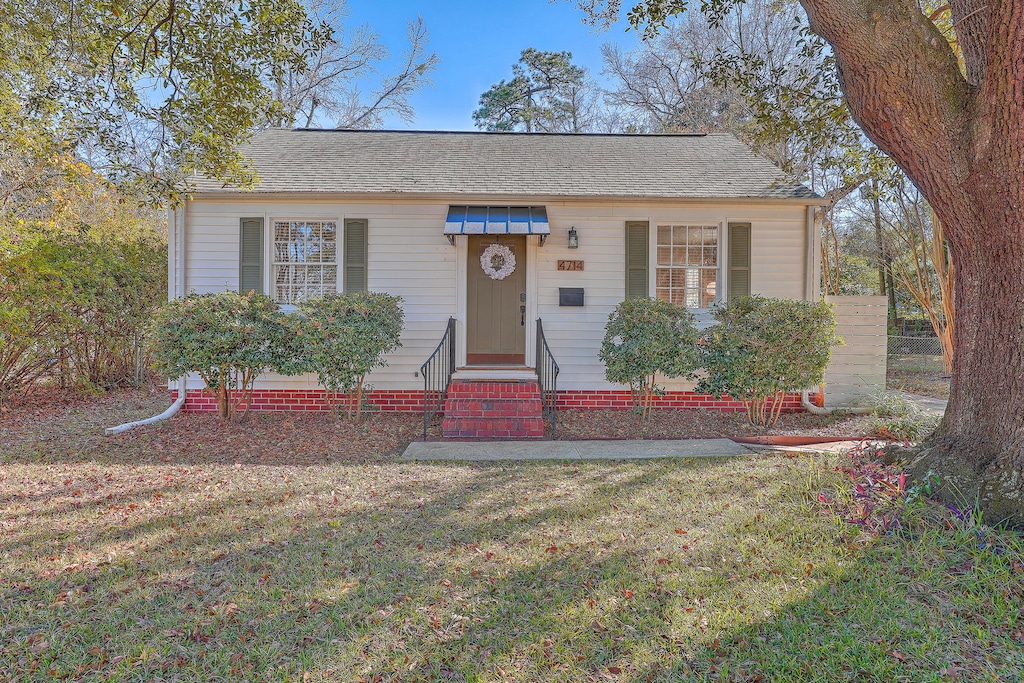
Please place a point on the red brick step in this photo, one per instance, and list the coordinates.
(476, 409)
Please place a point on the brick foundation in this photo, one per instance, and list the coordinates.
(411, 400)
(673, 400)
(313, 400)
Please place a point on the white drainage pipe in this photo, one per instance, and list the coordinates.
(169, 413)
(816, 410)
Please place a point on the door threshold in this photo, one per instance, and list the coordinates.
(490, 373)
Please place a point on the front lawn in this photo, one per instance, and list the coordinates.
(166, 567)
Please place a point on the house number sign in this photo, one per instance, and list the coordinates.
(570, 265)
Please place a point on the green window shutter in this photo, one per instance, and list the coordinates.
(739, 260)
(355, 255)
(637, 235)
(250, 256)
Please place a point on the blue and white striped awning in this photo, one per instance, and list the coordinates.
(497, 220)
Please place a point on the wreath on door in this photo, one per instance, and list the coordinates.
(498, 261)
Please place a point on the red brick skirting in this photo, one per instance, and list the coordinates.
(411, 400)
(405, 400)
(672, 400)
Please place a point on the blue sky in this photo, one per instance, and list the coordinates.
(478, 41)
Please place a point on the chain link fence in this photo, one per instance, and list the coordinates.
(915, 354)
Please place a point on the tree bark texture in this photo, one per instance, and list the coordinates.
(960, 138)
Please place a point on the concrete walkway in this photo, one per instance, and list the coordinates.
(935, 405)
(483, 451)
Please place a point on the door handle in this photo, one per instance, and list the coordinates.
(522, 314)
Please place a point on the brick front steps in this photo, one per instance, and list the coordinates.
(493, 410)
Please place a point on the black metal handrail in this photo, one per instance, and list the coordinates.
(547, 377)
(437, 375)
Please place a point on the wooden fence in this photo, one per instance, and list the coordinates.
(857, 369)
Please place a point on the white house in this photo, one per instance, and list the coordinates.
(588, 219)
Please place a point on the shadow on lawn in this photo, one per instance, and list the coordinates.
(493, 572)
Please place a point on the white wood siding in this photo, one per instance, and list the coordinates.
(857, 368)
(777, 265)
(410, 257)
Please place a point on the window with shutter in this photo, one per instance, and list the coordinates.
(250, 256)
(305, 259)
(739, 260)
(636, 260)
(686, 271)
(355, 255)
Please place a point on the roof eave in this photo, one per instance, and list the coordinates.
(462, 197)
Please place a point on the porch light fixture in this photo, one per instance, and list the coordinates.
(574, 239)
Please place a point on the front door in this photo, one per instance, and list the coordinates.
(496, 309)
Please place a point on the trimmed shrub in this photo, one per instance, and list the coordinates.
(230, 339)
(763, 348)
(342, 337)
(644, 338)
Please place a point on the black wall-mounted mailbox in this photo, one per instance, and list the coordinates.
(570, 296)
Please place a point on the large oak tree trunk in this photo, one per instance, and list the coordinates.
(978, 450)
(960, 138)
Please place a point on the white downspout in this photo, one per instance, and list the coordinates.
(805, 402)
(167, 414)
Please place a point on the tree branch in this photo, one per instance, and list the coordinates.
(904, 88)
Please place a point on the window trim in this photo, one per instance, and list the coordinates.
(722, 256)
(270, 274)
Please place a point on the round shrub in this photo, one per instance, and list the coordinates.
(645, 338)
(764, 347)
(342, 337)
(230, 339)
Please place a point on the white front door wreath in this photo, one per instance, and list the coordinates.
(498, 261)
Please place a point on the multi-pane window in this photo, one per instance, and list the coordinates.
(687, 265)
(305, 259)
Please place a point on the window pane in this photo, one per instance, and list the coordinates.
(710, 235)
(679, 235)
(710, 256)
(664, 234)
(709, 287)
(304, 242)
(664, 256)
(662, 277)
(694, 256)
(313, 252)
(329, 252)
(330, 279)
(678, 256)
(664, 294)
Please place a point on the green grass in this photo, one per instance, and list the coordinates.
(721, 570)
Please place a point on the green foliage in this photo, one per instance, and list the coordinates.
(158, 90)
(230, 339)
(547, 93)
(897, 417)
(644, 338)
(342, 337)
(763, 347)
(77, 306)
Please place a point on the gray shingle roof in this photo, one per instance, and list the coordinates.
(714, 166)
